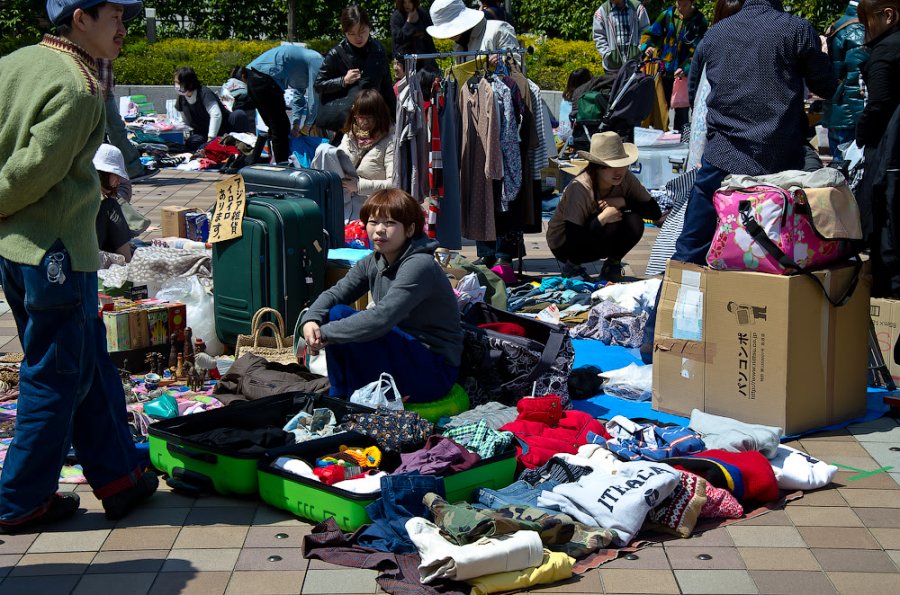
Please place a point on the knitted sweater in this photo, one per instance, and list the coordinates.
(53, 122)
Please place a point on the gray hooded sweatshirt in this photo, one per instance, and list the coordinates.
(412, 294)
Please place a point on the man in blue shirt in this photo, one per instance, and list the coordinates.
(757, 62)
(269, 76)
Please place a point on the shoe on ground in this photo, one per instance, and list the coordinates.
(571, 270)
(612, 271)
(486, 261)
(148, 173)
(61, 506)
(119, 505)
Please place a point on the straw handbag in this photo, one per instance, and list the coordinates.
(277, 348)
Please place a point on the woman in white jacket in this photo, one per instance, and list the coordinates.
(369, 141)
(468, 28)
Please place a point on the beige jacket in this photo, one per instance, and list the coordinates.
(375, 165)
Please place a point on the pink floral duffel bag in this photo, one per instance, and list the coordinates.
(769, 229)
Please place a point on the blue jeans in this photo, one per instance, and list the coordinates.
(700, 216)
(401, 499)
(419, 372)
(519, 493)
(70, 392)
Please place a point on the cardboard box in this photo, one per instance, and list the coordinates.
(335, 272)
(139, 328)
(886, 318)
(177, 320)
(196, 226)
(761, 348)
(118, 331)
(173, 222)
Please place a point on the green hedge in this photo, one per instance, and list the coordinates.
(143, 63)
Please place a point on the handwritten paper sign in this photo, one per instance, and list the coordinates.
(229, 213)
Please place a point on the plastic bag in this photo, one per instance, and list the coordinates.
(632, 382)
(680, 93)
(198, 306)
(381, 393)
(164, 407)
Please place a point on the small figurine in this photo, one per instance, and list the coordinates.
(173, 351)
(199, 346)
(188, 348)
(179, 367)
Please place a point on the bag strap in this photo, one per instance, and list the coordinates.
(392, 387)
(279, 337)
(257, 319)
(548, 356)
(842, 27)
(759, 236)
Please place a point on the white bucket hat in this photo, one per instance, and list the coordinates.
(109, 159)
(452, 18)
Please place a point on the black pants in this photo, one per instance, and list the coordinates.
(591, 242)
(682, 114)
(269, 100)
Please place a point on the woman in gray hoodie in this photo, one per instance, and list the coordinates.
(411, 331)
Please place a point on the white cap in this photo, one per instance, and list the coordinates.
(452, 18)
(109, 159)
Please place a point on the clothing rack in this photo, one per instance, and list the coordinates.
(521, 51)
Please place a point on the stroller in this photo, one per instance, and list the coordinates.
(616, 102)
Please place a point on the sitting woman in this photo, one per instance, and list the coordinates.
(113, 233)
(601, 213)
(412, 331)
(203, 111)
(369, 141)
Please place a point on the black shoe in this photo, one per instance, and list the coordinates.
(148, 173)
(612, 271)
(486, 261)
(119, 505)
(61, 506)
(571, 270)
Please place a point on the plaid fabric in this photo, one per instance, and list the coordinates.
(481, 438)
(105, 75)
(622, 16)
(556, 469)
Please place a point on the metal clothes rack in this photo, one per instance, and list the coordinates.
(411, 59)
(521, 51)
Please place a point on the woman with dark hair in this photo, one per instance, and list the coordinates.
(413, 330)
(408, 24)
(358, 62)
(878, 131)
(601, 213)
(203, 111)
(577, 77)
(234, 91)
(368, 140)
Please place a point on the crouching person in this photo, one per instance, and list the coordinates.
(412, 330)
(601, 213)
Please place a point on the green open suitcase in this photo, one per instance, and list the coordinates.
(193, 466)
(316, 501)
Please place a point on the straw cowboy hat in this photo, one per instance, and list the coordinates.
(607, 149)
(109, 159)
(452, 18)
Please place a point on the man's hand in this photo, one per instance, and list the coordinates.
(353, 75)
(679, 73)
(412, 17)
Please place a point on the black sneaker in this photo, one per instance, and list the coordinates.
(570, 270)
(612, 271)
(119, 505)
(148, 173)
(486, 261)
(61, 506)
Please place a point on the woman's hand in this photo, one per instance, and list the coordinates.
(609, 215)
(312, 334)
(353, 75)
(679, 73)
(412, 17)
(350, 184)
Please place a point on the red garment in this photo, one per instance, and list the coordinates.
(219, 153)
(507, 328)
(546, 438)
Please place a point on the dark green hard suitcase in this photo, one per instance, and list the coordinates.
(278, 262)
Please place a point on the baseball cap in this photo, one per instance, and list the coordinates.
(60, 10)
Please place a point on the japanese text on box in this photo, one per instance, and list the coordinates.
(230, 202)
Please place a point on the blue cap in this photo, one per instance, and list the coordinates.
(60, 10)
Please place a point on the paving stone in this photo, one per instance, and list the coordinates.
(778, 558)
(141, 538)
(793, 582)
(715, 581)
(190, 583)
(722, 558)
(347, 580)
(839, 537)
(650, 558)
(879, 517)
(79, 541)
(865, 582)
(52, 564)
(638, 581)
(34, 585)
(765, 536)
(846, 560)
(133, 583)
(265, 583)
(211, 537)
(583, 583)
(822, 516)
(271, 559)
(203, 560)
(115, 562)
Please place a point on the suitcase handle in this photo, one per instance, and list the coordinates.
(190, 482)
(203, 457)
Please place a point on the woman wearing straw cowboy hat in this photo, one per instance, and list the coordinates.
(468, 28)
(601, 213)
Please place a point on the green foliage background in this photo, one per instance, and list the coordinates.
(559, 30)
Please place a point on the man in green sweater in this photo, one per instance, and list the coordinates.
(70, 393)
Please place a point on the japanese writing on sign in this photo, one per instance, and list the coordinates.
(229, 213)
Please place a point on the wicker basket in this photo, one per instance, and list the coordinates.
(276, 348)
